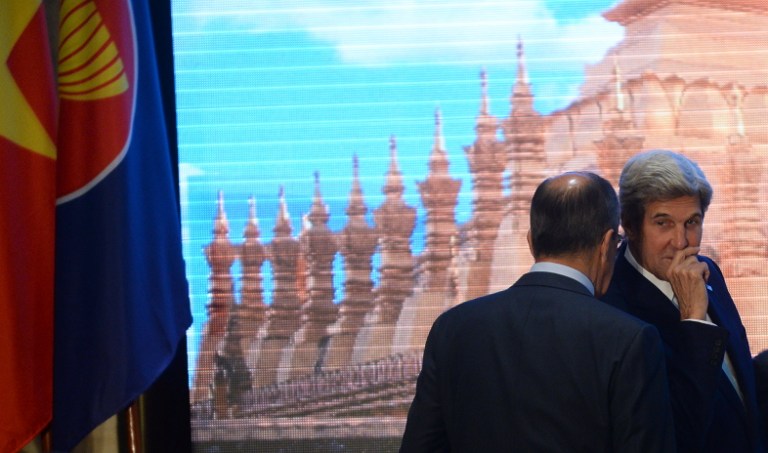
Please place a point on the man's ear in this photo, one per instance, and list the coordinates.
(530, 243)
(606, 244)
(628, 232)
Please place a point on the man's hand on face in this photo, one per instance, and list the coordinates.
(688, 277)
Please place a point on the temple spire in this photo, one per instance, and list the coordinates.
(252, 225)
(487, 125)
(394, 181)
(252, 256)
(620, 141)
(220, 254)
(522, 97)
(356, 202)
(221, 225)
(283, 223)
(617, 85)
(484, 102)
(439, 193)
(284, 315)
(522, 71)
(357, 243)
(438, 150)
(319, 211)
(318, 248)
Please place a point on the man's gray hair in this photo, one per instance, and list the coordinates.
(658, 175)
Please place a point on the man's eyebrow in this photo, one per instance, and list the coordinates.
(664, 214)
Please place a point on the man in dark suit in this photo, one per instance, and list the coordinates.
(761, 377)
(661, 278)
(544, 365)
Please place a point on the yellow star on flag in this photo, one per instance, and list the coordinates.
(18, 122)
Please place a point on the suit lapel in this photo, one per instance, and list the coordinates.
(654, 307)
(719, 316)
(725, 387)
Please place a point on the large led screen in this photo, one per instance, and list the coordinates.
(350, 170)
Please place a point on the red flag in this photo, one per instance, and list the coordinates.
(27, 209)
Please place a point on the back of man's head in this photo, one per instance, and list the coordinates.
(570, 214)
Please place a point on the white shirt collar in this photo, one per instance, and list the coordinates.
(566, 271)
(664, 286)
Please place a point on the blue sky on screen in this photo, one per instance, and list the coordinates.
(268, 92)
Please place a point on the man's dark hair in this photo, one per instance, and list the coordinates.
(570, 215)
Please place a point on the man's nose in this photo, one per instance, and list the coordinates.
(680, 241)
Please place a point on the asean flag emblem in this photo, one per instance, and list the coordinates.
(97, 91)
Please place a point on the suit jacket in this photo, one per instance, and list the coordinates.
(761, 378)
(540, 366)
(708, 413)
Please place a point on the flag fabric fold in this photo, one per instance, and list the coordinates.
(121, 294)
(27, 202)
(89, 190)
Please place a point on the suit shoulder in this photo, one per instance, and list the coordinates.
(611, 309)
(474, 306)
(613, 297)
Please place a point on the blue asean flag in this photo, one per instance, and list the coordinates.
(121, 298)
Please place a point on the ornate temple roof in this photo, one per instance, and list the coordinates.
(631, 10)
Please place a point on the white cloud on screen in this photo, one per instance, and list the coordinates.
(387, 32)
